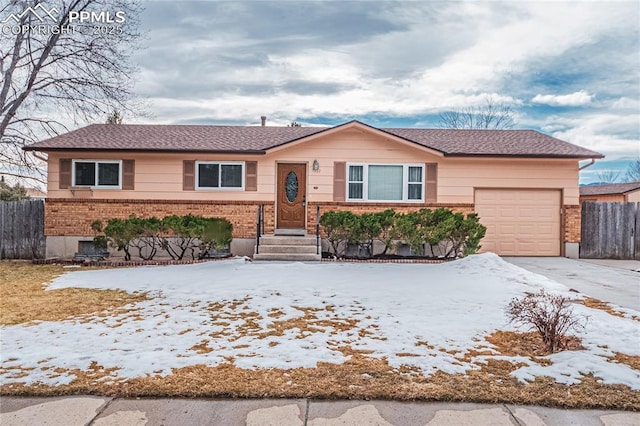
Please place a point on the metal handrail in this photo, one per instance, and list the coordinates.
(259, 219)
(318, 229)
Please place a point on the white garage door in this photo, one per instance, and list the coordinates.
(523, 222)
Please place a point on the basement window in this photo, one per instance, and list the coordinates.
(97, 173)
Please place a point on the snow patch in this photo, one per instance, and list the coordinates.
(419, 315)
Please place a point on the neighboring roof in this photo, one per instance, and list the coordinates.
(258, 140)
(610, 189)
(36, 193)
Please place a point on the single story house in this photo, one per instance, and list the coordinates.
(615, 192)
(522, 183)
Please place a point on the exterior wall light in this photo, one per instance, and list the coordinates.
(316, 165)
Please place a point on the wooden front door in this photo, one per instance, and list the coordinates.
(292, 195)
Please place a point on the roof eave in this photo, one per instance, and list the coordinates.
(549, 156)
(136, 150)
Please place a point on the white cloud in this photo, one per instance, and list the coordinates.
(625, 103)
(407, 70)
(579, 98)
(616, 136)
(428, 59)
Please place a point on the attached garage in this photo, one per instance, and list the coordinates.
(520, 222)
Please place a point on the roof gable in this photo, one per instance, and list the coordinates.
(260, 140)
(360, 126)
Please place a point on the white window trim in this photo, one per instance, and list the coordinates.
(405, 182)
(221, 163)
(96, 186)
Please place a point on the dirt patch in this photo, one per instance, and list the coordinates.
(23, 297)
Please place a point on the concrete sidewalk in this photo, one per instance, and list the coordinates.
(97, 411)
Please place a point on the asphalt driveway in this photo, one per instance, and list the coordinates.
(616, 282)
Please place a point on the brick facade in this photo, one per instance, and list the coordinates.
(572, 223)
(73, 217)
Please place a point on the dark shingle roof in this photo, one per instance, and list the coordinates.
(528, 143)
(154, 137)
(610, 189)
(257, 139)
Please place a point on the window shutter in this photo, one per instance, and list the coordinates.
(339, 180)
(188, 175)
(251, 176)
(128, 174)
(65, 173)
(431, 173)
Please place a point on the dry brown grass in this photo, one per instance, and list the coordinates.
(527, 344)
(23, 299)
(202, 348)
(632, 361)
(594, 303)
(360, 377)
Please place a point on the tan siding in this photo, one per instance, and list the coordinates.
(159, 176)
(348, 146)
(457, 178)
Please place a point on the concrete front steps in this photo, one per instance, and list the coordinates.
(288, 248)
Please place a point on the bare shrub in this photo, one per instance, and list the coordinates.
(550, 315)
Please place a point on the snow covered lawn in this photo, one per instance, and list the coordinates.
(421, 321)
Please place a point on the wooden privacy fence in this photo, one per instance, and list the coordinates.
(610, 230)
(22, 229)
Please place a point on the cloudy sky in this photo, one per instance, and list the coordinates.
(569, 69)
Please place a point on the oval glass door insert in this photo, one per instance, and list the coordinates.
(291, 186)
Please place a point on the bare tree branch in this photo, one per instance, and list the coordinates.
(22, 177)
(608, 176)
(491, 115)
(83, 73)
(633, 171)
